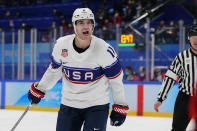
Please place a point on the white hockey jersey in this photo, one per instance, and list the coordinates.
(85, 76)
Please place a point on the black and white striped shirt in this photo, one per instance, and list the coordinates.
(184, 66)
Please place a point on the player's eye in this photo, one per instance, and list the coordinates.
(80, 22)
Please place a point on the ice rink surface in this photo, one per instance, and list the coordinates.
(46, 121)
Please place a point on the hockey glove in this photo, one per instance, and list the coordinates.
(118, 114)
(34, 94)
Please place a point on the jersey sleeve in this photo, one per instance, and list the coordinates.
(110, 63)
(53, 72)
(55, 57)
(170, 78)
(113, 71)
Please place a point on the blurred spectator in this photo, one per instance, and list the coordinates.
(171, 33)
(118, 18)
(135, 76)
(128, 13)
(70, 29)
(130, 75)
(98, 31)
(100, 17)
(157, 75)
(8, 14)
(25, 26)
(139, 10)
(53, 25)
(64, 25)
(112, 29)
(161, 32)
(142, 73)
(57, 13)
(11, 25)
(45, 37)
(53, 30)
(105, 33)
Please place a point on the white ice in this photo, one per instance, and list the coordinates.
(46, 121)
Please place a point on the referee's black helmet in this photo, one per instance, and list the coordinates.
(192, 31)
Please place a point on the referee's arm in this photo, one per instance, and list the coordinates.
(168, 82)
(170, 79)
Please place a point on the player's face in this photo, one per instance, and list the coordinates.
(84, 29)
(193, 41)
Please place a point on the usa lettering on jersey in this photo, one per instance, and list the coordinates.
(82, 75)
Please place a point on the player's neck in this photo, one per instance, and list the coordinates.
(82, 43)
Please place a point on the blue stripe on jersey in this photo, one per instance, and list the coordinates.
(54, 64)
(110, 52)
(113, 70)
(82, 75)
(111, 49)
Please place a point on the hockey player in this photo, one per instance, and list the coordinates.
(185, 67)
(87, 65)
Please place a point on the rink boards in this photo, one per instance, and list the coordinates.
(139, 95)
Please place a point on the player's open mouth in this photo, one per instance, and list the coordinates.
(86, 32)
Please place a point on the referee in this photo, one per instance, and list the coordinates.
(184, 66)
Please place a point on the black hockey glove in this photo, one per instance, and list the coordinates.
(34, 94)
(118, 114)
